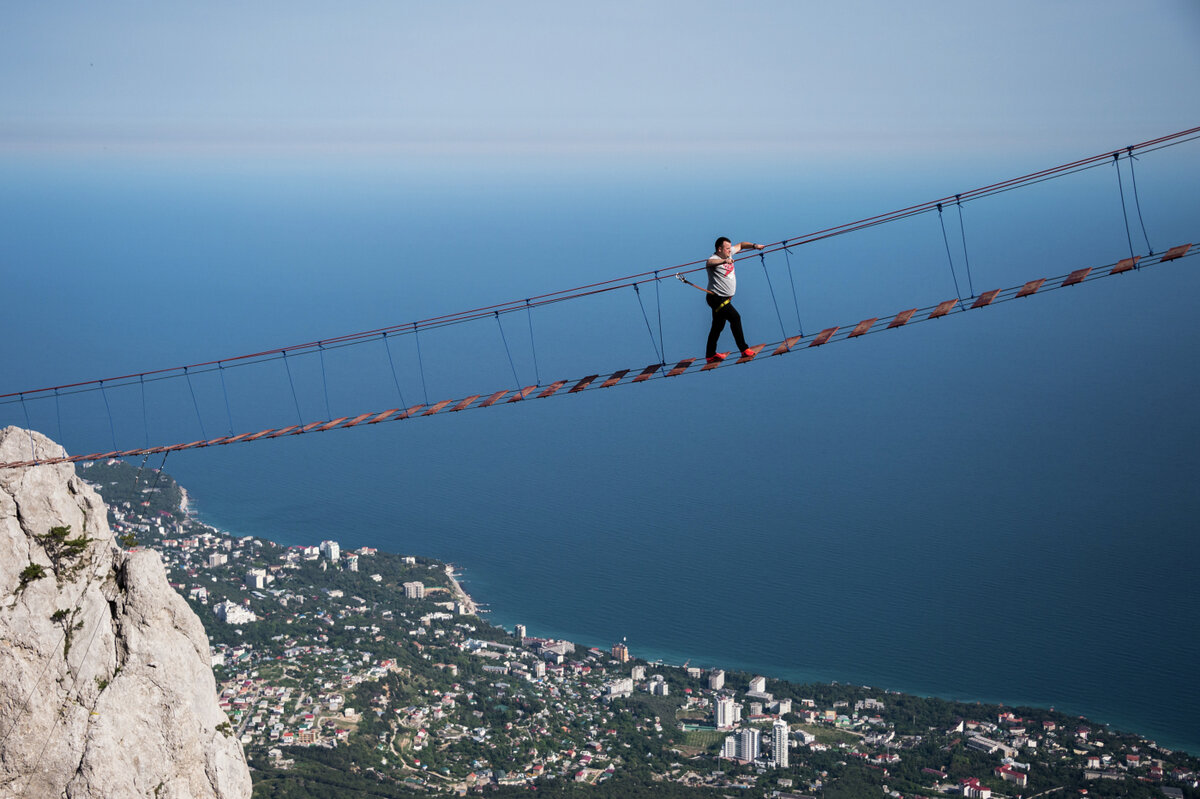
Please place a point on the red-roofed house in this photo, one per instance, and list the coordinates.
(972, 788)
(1010, 774)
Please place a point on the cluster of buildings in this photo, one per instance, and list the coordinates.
(509, 710)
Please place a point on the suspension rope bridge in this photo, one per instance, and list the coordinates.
(787, 344)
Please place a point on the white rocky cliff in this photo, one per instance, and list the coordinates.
(106, 687)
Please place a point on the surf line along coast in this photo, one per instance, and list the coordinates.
(461, 596)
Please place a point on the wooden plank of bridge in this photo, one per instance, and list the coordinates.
(1176, 252)
(492, 400)
(582, 384)
(787, 345)
(552, 389)
(824, 336)
(648, 372)
(616, 378)
(681, 367)
(358, 419)
(1077, 276)
(862, 327)
(902, 318)
(1125, 265)
(985, 298)
(1031, 287)
(753, 352)
(522, 394)
(437, 406)
(942, 309)
(463, 403)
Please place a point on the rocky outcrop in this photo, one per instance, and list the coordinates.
(106, 687)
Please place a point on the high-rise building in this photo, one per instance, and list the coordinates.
(414, 590)
(620, 652)
(519, 632)
(716, 680)
(779, 743)
(729, 747)
(727, 713)
(749, 742)
(331, 550)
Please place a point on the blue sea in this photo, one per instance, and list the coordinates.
(999, 505)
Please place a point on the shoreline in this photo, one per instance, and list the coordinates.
(460, 594)
(678, 660)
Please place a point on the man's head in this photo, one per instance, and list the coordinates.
(723, 247)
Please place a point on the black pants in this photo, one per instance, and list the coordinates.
(723, 311)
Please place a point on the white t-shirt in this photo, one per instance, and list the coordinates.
(721, 279)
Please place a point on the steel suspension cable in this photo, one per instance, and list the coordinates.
(962, 228)
(616, 283)
(1124, 211)
(507, 351)
(1138, 203)
(395, 378)
(949, 258)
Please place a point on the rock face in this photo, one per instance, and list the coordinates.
(106, 687)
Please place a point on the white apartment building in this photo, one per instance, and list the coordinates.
(331, 550)
(758, 685)
(779, 743)
(728, 713)
(233, 613)
(729, 747)
(414, 590)
(716, 680)
(618, 689)
(749, 741)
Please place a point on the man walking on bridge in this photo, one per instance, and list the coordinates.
(722, 283)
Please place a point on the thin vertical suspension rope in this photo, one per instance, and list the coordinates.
(111, 427)
(225, 391)
(29, 428)
(649, 329)
(145, 416)
(58, 416)
(395, 378)
(946, 239)
(1137, 202)
(421, 362)
(778, 315)
(966, 257)
(292, 383)
(196, 404)
(537, 376)
(1124, 212)
(503, 338)
(787, 257)
(324, 380)
(658, 303)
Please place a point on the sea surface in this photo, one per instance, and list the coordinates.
(1000, 505)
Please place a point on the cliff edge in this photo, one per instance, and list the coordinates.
(107, 686)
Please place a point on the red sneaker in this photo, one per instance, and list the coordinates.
(748, 353)
(717, 357)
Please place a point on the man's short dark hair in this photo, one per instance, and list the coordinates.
(720, 241)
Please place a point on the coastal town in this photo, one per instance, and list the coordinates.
(355, 669)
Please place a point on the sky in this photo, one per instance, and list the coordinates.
(749, 83)
(133, 139)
